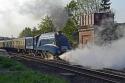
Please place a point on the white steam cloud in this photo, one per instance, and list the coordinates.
(100, 56)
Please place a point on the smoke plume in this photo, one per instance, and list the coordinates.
(15, 15)
(108, 32)
(39, 8)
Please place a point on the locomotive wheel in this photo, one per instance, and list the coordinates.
(57, 57)
(43, 54)
(49, 55)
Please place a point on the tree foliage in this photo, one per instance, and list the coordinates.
(72, 7)
(27, 32)
(69, 29)
(84, 6)
(46, 25)
(35, 31)
(105, 5)
(89, 6)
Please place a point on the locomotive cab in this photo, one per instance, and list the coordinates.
(54, 43)
(62, 42)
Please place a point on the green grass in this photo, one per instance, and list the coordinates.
(11, 65)
(15, 72)
(28, 77)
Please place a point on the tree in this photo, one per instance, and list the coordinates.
(69, 28)
(72, 8)
(35, 31)
(26, 32)
(46, 25)
(76, 7)
(105, 5)
(88, 6)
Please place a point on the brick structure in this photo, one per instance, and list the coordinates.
(86, 25)
(86, 35)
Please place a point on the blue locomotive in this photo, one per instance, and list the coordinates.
(43, 44)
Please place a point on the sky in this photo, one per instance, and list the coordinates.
(15, 15)
(118, 7)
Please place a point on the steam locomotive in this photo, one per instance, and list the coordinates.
(44, 44)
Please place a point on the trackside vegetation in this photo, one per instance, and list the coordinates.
(14, 72)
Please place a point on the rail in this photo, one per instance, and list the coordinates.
(107, 77)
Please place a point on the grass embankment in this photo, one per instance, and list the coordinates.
(14, 72)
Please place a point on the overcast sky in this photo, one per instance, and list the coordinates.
(119, 8)
(17, 14)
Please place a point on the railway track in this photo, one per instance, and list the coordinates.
(117, 72)
(103, 76)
